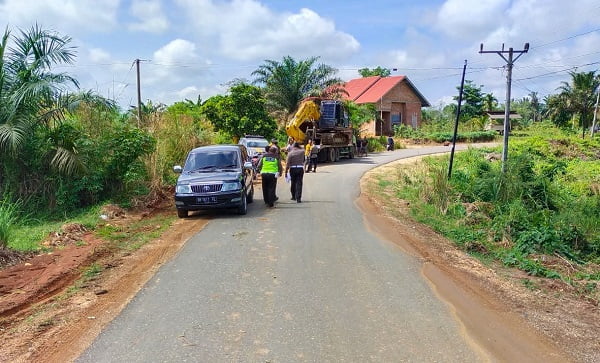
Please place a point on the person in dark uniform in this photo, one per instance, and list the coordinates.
(270, 169)
(294, 165)
(390, 144)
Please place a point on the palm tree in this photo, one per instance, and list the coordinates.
(29, 107)
(28, 90)
(289, 81)
(556, 110)
(489, 102)
(535, 105)
(579, 96)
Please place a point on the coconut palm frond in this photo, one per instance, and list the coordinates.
(13, 136)
(67, 162)
(288, 82)
(38, 48)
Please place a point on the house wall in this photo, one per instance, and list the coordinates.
(399, 100)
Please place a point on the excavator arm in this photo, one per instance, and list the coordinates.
(307, 114)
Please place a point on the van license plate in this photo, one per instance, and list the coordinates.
(207, 200)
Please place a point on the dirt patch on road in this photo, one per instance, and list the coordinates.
(515, 323)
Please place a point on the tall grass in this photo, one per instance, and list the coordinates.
(8, 217)
(176, 135)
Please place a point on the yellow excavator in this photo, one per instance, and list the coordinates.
(326, 123)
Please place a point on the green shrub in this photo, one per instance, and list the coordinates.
(547, 201)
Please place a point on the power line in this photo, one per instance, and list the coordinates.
(559, 71)
(567, 38)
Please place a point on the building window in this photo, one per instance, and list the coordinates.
(396, 118)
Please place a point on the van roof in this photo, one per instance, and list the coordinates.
(223, 147)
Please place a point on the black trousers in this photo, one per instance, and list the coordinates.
(269, 183)
(312, 164)
(296, 176)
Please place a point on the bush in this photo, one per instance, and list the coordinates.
(547, 201)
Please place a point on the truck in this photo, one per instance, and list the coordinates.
(326, 122)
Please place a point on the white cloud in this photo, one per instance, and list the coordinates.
(61, 15)
(190, 93)
(173, 62)
(542, 19)
(247, 30)
(178, 50)
(469, 19)
(176, 72)
(97, 55)
(151, 16)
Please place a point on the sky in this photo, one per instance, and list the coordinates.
(196, 48)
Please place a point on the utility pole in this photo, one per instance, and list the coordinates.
(595, 113)
(139, 93)
(509, 65)
(460, 94)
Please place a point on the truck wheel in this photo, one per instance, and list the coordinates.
(182, 213)
(331, 155)
(337, 154)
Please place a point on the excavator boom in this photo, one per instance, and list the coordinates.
(307, 113)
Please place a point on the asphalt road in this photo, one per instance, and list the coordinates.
(296, 283)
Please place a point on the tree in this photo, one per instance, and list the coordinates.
(490, 102)
(28, 88)
(579, 96)
(30, 108)
(288, 82)
(240, 112)
(381, 72)
(529, 108)
(556, 110)
(360, 114)
(473, 101)
(535, 106)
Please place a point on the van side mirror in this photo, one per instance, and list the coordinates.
(177, 169)
(248, 165)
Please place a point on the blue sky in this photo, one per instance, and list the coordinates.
(193, 48)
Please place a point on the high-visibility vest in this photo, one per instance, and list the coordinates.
(269, 165)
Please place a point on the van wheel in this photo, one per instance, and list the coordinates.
(250, 197)
(182, 213)
(243, 208)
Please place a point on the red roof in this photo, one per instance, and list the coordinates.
(356, 87)
(372, 89)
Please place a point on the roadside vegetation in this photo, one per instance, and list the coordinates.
(542, 215)
(66, 152)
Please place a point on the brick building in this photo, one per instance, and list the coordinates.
(396, 99)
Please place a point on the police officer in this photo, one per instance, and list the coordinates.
(270, 169)
(294, 165)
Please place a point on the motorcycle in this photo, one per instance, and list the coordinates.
(255, 158)
(390, 144)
